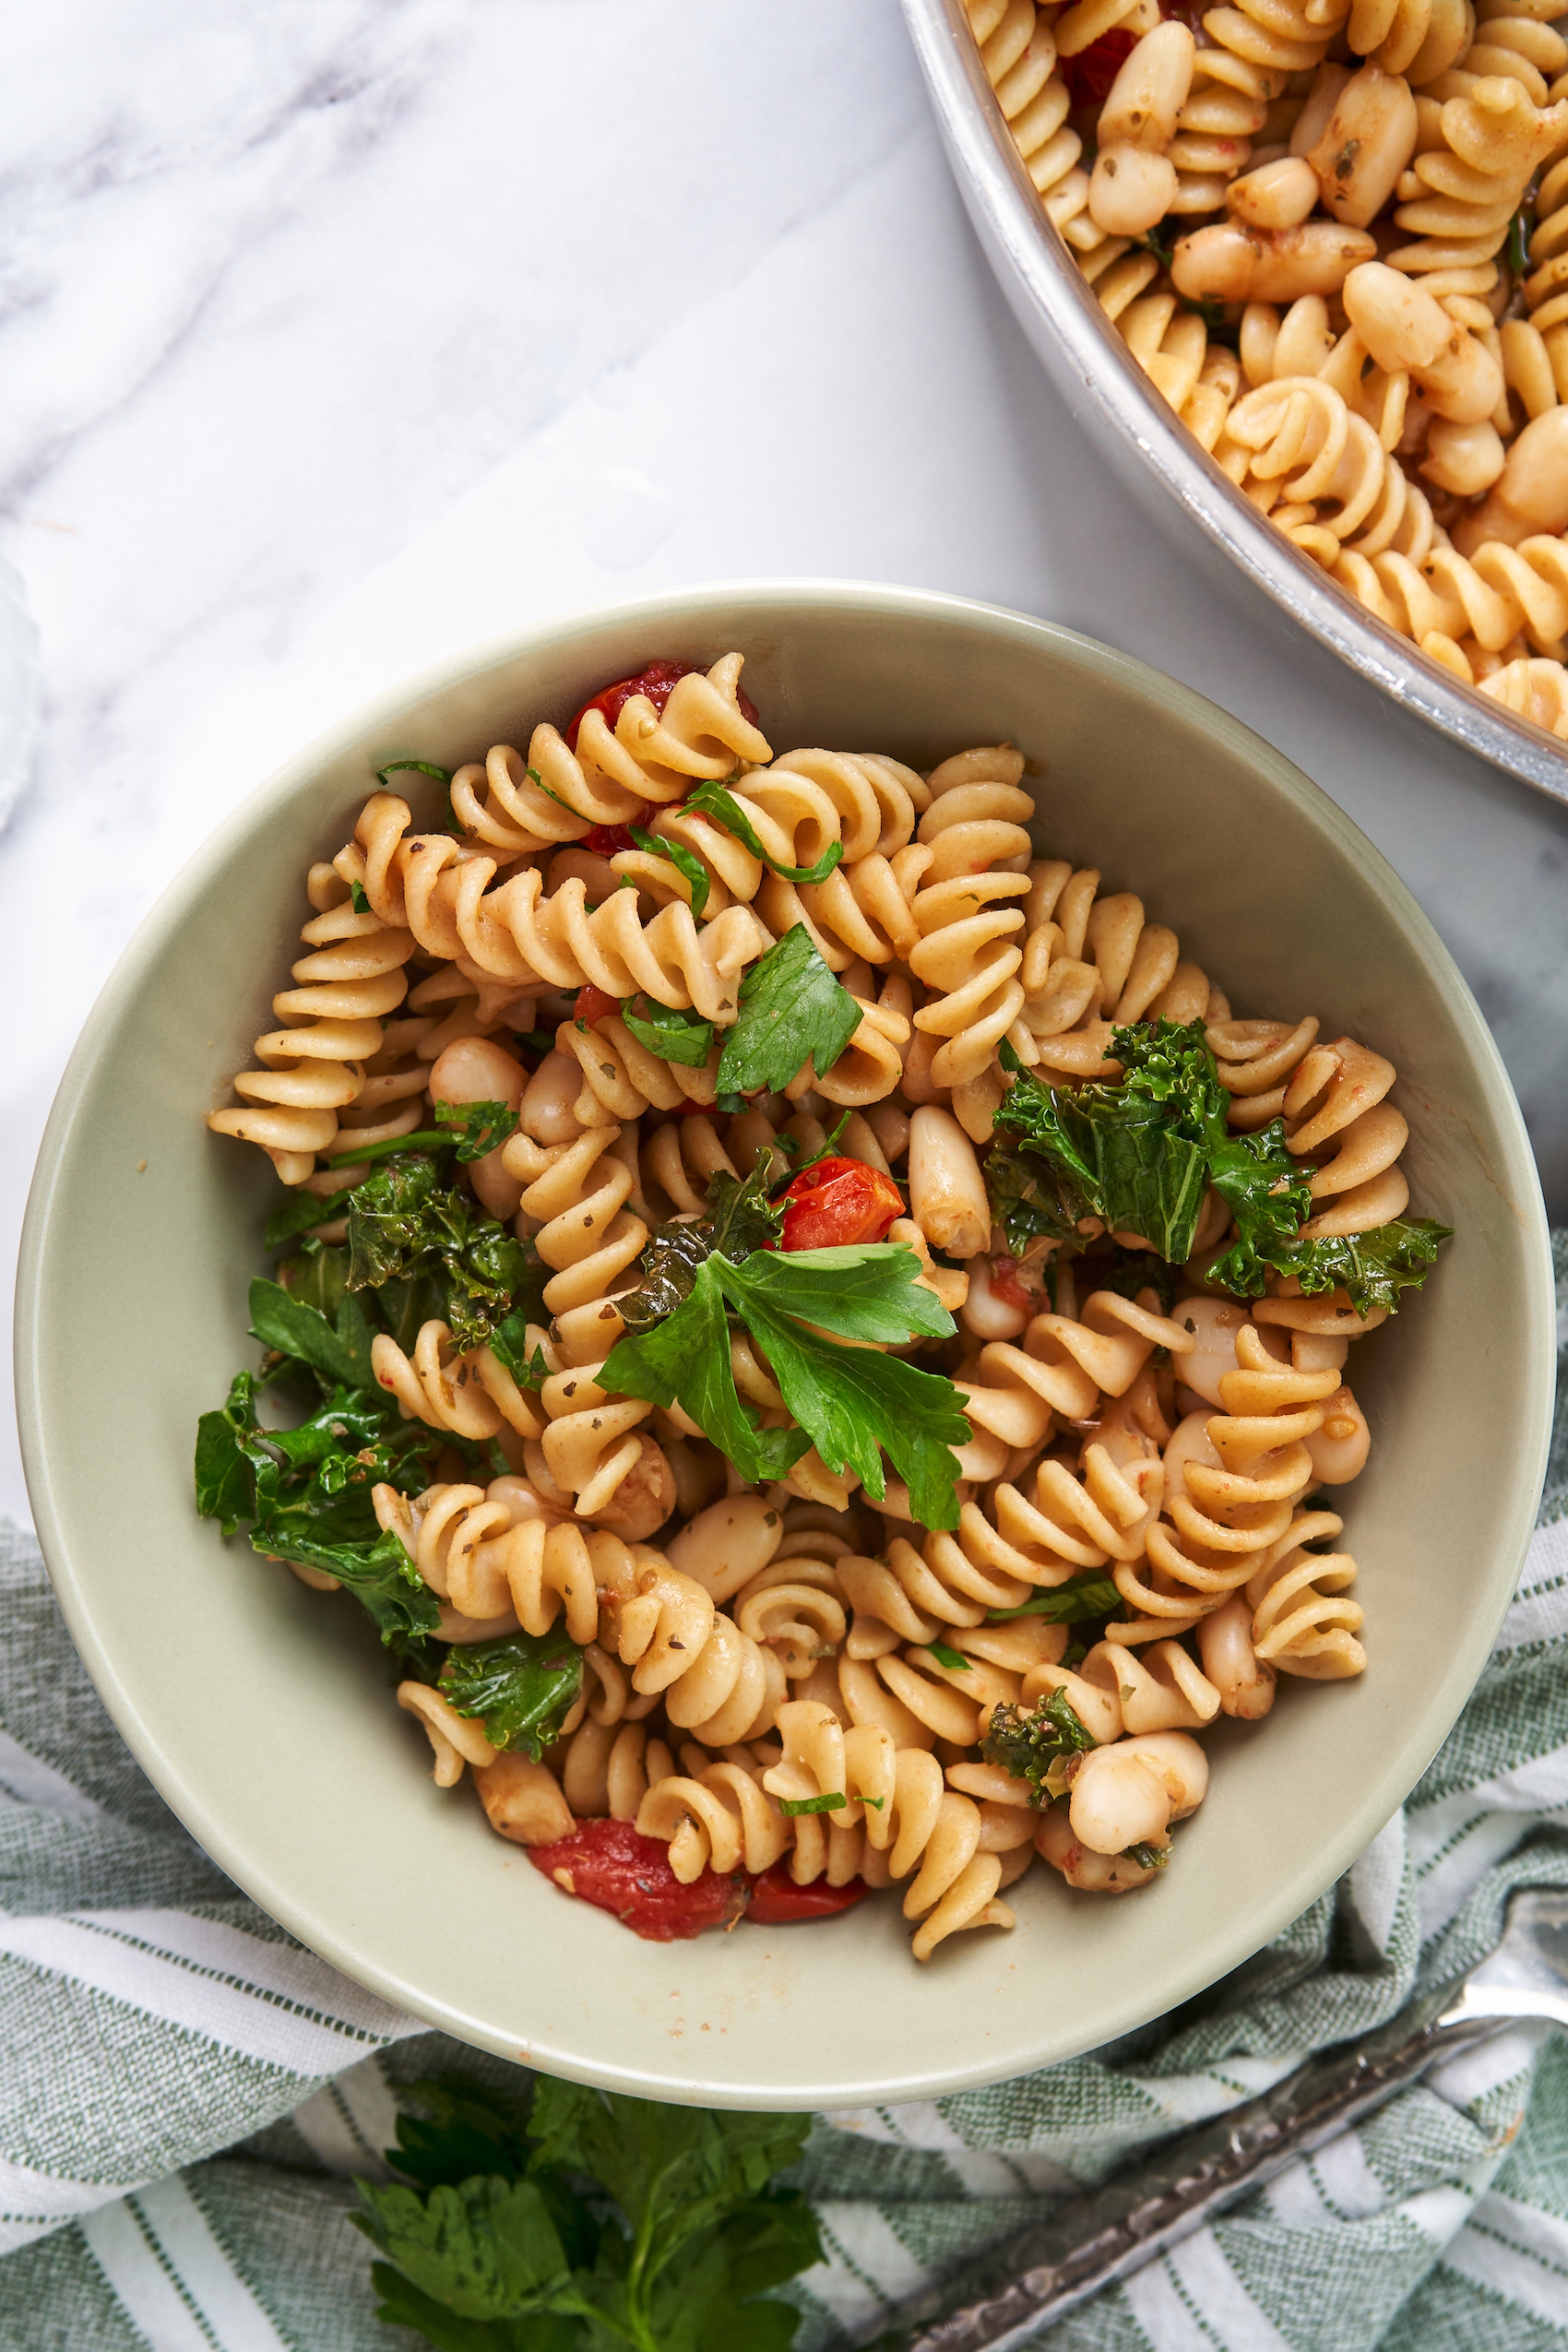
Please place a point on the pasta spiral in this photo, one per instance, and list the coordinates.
(350, 981)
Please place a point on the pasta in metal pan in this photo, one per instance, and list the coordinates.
(1333, 237)
(815, 1333)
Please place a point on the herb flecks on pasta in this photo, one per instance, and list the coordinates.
(816, 1337)
(1344, 273)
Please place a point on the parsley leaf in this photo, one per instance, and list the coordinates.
(684, 1356)
(855, 1403)
(674, 1036)
(1090, 1593)
(712, 800)
(793, 1011)
(1032, 1744)
(860, 1290)
(1147, 1857)
(830, 1803)
(357, 899)
(604, 2221)
(684, 862)
(946, 1656)
(521, 1685)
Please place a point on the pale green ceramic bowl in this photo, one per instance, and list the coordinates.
(263, 1712)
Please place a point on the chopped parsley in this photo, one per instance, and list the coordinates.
(684, 861)
(713, 802)
(673, 1035)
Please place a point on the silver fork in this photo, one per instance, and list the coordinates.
(1086, 2244)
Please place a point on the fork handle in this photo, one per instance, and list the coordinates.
(1094, 2239)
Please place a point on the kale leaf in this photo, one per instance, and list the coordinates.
(739, 1218)
(1034, 1745)
(1031, 1199)
(1372, 1268)
(308, 1492)
(404, 1225)
(603, 2220)
(477, 1127)
(521, 1685)
(793, 1011)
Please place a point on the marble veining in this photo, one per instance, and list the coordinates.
(336, 334)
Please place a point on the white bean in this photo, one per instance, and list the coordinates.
(1364, 145)
(1228, 262)
(1340, 1447)
(1130, 190)
(1465, 459)
(1403, 327)
(947, 1194)
(546, 1111)
(987, 1314)
(1530, 496)
(1274, 196)
(1245, 1682)
(1213, 1324)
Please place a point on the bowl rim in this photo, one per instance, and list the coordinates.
(74, 1580)
(1024, 246)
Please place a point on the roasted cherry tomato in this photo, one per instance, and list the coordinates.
(839, 1201)
(1090, 75)
(658, 682)
(1006, 1285)
(606, 840)
(777, 1900)
(592, 1004)
(608, 1864)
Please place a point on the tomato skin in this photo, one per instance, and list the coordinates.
(777, 1902)
(837, 1202)
(617, 1870)
(1090, 75)
(658, 682)
(1006, 1285)
(592, 1004)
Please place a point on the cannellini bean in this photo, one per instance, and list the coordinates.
(1340, 1447)
(947, 1195)
(1530, 495)
(1245, 1682)
(523, 1800)
(545, 1111)
(1366, 143)
(1130, 190)
(1149, 91)
(1130, 1792)
(1402, 327)
(986, 1313)
(1080, 1866)
(1465, 459)
(726, 1545)
(1274, 196)
(1213, 1324)
(475, 1069)
(1228, 262)
(1312, 120)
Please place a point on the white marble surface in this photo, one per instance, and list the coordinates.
(339, 333)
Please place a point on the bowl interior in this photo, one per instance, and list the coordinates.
(263, 1712)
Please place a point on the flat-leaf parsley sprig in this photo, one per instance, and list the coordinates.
(598, 2221)
(852, 1402)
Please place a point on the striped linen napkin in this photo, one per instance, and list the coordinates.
(185, 2092)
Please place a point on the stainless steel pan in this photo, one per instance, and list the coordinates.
(1150, 449)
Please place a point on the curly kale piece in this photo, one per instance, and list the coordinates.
(406, 1226)
(739, 1220)
(1035, 1744)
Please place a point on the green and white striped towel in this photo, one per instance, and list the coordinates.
(185, 2092)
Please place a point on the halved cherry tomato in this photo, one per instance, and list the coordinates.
(1090, 75)
(777, 1900)
(837, 1202)
(658, 682)
(608, 1864)
(592, 1004)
